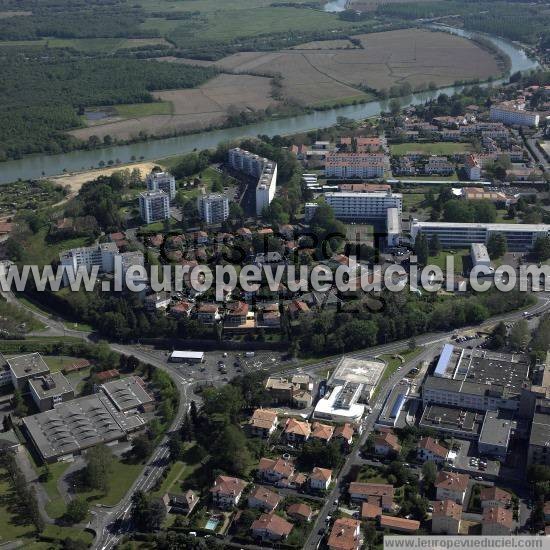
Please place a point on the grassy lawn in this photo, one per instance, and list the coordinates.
(461, 256)
(179, 471)
(59, 534)
(136, 110)
(351, 100)
(38, 251)
(393, 363)
(502, 217)
(10, 527)
(56, 507)
(59, 362)
(440, 148)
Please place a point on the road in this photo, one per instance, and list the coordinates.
(110, 524)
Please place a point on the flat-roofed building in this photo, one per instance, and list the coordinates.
(495, 435)
(50, 389)
(538, 451)
(393, 226)
(162, 181)
(25, 367)
(452, 421)
(79, 424)
(514, 114)
(341, 404)
(355, 165)
(365, 207)
(100, 255)
(365, 372)
(127, 393)
(479, 255)
(394, 404)
(519, 237)
(154, 206)
(213, 208)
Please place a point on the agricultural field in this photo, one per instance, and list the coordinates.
(371, 5)
(415, 56)
(187, 109)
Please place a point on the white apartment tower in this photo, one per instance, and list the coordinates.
(264, 170)
(162, 181)
(514, 113)
(213, 208)
(154, 206)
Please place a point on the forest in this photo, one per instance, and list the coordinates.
(41, 98)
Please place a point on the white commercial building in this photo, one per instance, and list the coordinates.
(213, 208)
(364, 206)
(480, 255)
(258, 167)
(154, 206)
(473, 168)
(105, 256)
(162, 181)
(393, 226)
(519, 237)
(514, 113)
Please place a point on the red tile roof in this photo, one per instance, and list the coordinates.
(498, 515)
(452, 481)
(272, 523)
(447, 508)
(343, 535)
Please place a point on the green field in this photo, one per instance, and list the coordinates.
(443, 148)
(89, 45)
(393, 363)
(59, 362)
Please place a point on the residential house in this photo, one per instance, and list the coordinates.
(370, 511)
(182, 309)
(297, 431)
(263, 422)
(344, 433)
(227, 491)
(296, 308)
(323, 432)
(244, 232)
(236, 314)
(345, 535)
(446, 517)
(429, 450)
(399, 525)
(451, 486)
(208, 314)
(300, 511)
(375, 493)
(180, 504)
(492, 497)
(320, 479)
(157, 301)
(273, 471)
(386, 444)
(271, 527)
(264, 499)
(497, 521)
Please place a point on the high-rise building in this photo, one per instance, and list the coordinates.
(355, 165)
(162, 181)
(258, 167)
(154, 206)
(514, 113)
(213, 208)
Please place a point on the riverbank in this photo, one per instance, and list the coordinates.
(39, 166)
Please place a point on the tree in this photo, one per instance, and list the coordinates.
(395, 106)
(99, 462)
(434, 245)
(141, 447)
(429, 474)
(421, 249)
(77, 510)
(541, 249)
(496, 245)
(147, 513)
(498, 336)
(19, 407)
(231, 451)
(520, 335)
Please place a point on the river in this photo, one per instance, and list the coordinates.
(36, 166)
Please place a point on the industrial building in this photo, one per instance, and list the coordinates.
(128, 394)
(452, 421)
(479, 255)
(519, 237)
(73, 426)
(495, 434)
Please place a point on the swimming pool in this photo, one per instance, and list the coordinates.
(211, 524)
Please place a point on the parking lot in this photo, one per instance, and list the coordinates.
(469, 461)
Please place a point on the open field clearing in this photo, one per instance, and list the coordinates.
(371, 5)
(326, 45)
(190, 109)
(77, 180)
(92, 45)
(205, 6)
